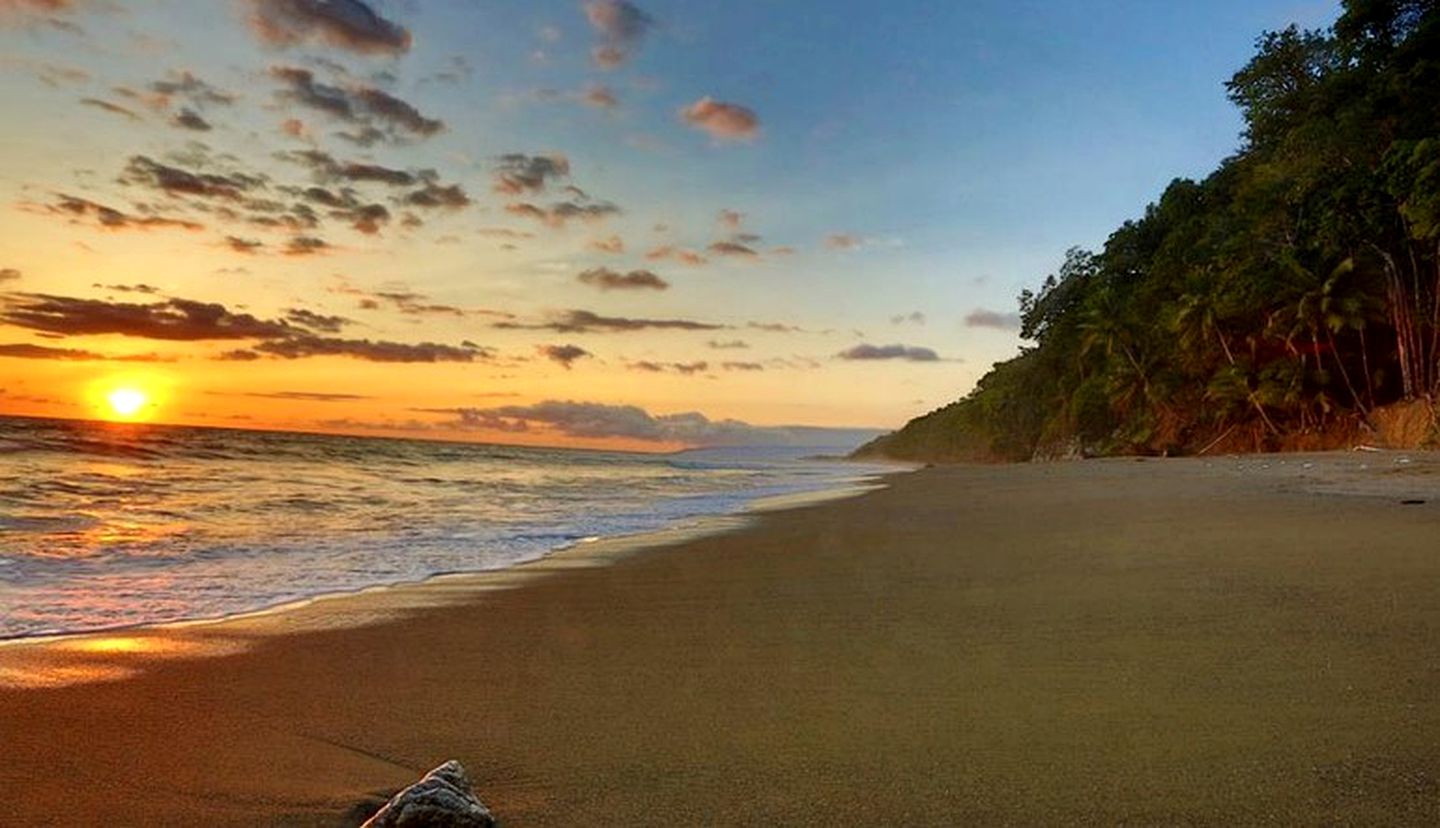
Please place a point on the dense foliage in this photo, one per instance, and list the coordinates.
(1292, 291)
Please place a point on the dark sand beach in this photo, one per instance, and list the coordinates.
(1225, 641)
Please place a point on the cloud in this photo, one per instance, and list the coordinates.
(147, 172)
(731, 248)
(614, 244)
(316, 321)
(908, 353)
(304, 345)
(110, 107)
(343, 24)
(915, 317)
(723, 121)
(191, 120)
(112, 219)
(563, 354)
(147, 290)
(843, 241)
(410, 303)
(308, 396)
(561, 213)
(982, 318)
(240, 245)
(742, 366)
(367, 106)
(327, 169)
(677, 254)
(583, 321)
(305, 246)
(22, 350)
(685, 368)
(504, 233)
(172, 319)
(516, 173)
(601, 97)
(593, 420)
(607, 279)
(728, 344)
(730, 219)
(191, 88)
(621, 26)
(774, 327)
(9, 274)
(437, 196)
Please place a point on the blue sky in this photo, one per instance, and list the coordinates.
(890, 161)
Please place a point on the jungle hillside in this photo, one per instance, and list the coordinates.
(1290, 300)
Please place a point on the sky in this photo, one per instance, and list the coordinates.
(595, 223)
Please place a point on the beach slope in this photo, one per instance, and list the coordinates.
(1172, 642)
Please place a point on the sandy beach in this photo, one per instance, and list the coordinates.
(1201, 641)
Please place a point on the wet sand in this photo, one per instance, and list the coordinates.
(1234, 640)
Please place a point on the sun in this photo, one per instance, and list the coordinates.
(126, 402)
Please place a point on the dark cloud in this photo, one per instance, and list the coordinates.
(723, 121)
(172, 319)
(188, 87)
(380, 115)
(908, 353)
(914, 317)
(731, 248)
(144, 171)
(147, 290)
(516, 173)
(23, 350)
(344, 24)
(110, 107)
(583, 321)
(563, 354)
(9, 274)
(410, 303)
(742, 366)
(112, 219)
(774, 327)
(316, 321)
(621, 26)
(305, 246)
(240, 245)
(982, 318)
(191, 120)
(560, 213)
(592, 420)
(607, 279)
(728, 344)
(685, 368)
(327, 169)
(437, 196)
(304, 345)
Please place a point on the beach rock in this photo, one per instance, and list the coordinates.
(444, 798)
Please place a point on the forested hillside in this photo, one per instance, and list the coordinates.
(1278, 303)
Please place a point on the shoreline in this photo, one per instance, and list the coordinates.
(1157, 641)
(377, 603)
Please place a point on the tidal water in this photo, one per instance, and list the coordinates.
(105, 525)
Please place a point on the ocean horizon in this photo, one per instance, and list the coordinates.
(109, 525)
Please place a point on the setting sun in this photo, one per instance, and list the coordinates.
(126, 402)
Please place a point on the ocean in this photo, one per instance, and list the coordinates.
(106, 525)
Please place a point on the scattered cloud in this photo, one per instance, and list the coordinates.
(343, 24)
(732, 248)
(606, 279)
(191, 120)
(723, 121)
(517, 173)
(9, 274)
(23, 350)
(561, 213)
(685, 368)
(583, 321)
(907, 353)
(727, 344)
(171, 319)
(983, 318)
(742, 366)
(730, 220)
(914, 318)
(308, 396)
(563, 354)
(621, 27)
(601, 97)
(111, 219)
(843, 241)
(381, 115)
(304, 345)
(594, 420)
(147, 290)
(111, 107)
(676, 254)
(613, 244)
